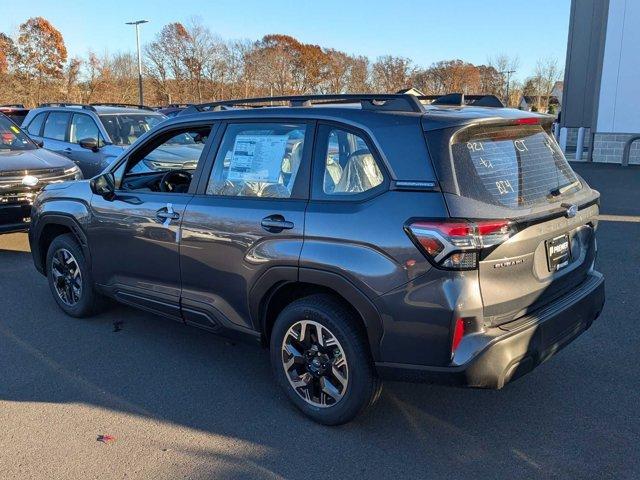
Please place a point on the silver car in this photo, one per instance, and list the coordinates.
(90, 135)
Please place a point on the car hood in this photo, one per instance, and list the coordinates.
(170, 156)
(176, 153)
(32, 160)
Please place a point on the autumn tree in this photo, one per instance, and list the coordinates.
(166, 57)
(491, 81)
(450, 76)
(41, 54)
(507, 68)
(390, 74)
(7, 52)
(546, 74)
(187, 63)
(72, 77)
(281, 65)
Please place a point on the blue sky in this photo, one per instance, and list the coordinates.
(425, 31)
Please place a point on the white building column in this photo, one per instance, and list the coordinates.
(563, 139)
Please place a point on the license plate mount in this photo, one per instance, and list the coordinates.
(558, 252)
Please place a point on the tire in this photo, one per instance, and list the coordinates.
(87, 302)
(338, 324)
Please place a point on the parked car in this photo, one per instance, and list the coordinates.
(173, 109)
(376, 236)
(90, 135)
(15, 111)
(25, 169)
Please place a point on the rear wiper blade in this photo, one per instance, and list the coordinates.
(565, 188)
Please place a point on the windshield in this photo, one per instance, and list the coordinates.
(125, 128)
(517, 166)
(12, 138)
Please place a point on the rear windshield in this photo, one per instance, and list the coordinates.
(518, 166)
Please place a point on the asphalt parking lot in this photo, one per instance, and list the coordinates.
(182, 403)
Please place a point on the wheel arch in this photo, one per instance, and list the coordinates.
(279, 287)
(50, 226)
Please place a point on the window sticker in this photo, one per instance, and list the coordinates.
(257, 158)
(14, 128)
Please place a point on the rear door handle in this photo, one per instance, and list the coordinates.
(68, 150)
(276, 223)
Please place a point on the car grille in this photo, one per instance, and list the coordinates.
(13, 191)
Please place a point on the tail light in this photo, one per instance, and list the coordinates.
(455, 244)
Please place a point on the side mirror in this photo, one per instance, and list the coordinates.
(89, 144)
(40, 143)
(104, 185)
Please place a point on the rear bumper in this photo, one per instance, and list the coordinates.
(501, 354)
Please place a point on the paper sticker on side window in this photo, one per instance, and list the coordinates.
(257, 157)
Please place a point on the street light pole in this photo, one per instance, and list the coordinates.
(136, 24)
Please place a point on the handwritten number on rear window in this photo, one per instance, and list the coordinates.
(485, 162)
(475, 146)
(520, 145)
(504, 187)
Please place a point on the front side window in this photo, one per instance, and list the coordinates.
(55, 127)
(83, 128)
(36, 124)
(165, 164)
(12, 138)
(349, 166)
(125, 128)
(258, 160)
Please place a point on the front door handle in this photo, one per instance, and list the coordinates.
(276, 223)
(166, 214)
(68, 150)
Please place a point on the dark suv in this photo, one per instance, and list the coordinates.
(25, 169)
(358, 236)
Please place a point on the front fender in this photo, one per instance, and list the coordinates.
(74, 214)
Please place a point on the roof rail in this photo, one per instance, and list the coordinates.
(65, 104)
(12, 105)
(123, 105)
(371, 101)
(460, 99)
(178, 105)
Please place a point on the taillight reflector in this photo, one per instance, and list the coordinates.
(458, 333)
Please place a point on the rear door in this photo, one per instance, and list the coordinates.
(515, 171)
(247, 217)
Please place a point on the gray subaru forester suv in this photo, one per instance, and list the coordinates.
(359, 237)
(90, 135)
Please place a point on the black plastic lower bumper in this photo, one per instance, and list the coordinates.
(505, 353)
(14, 217)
